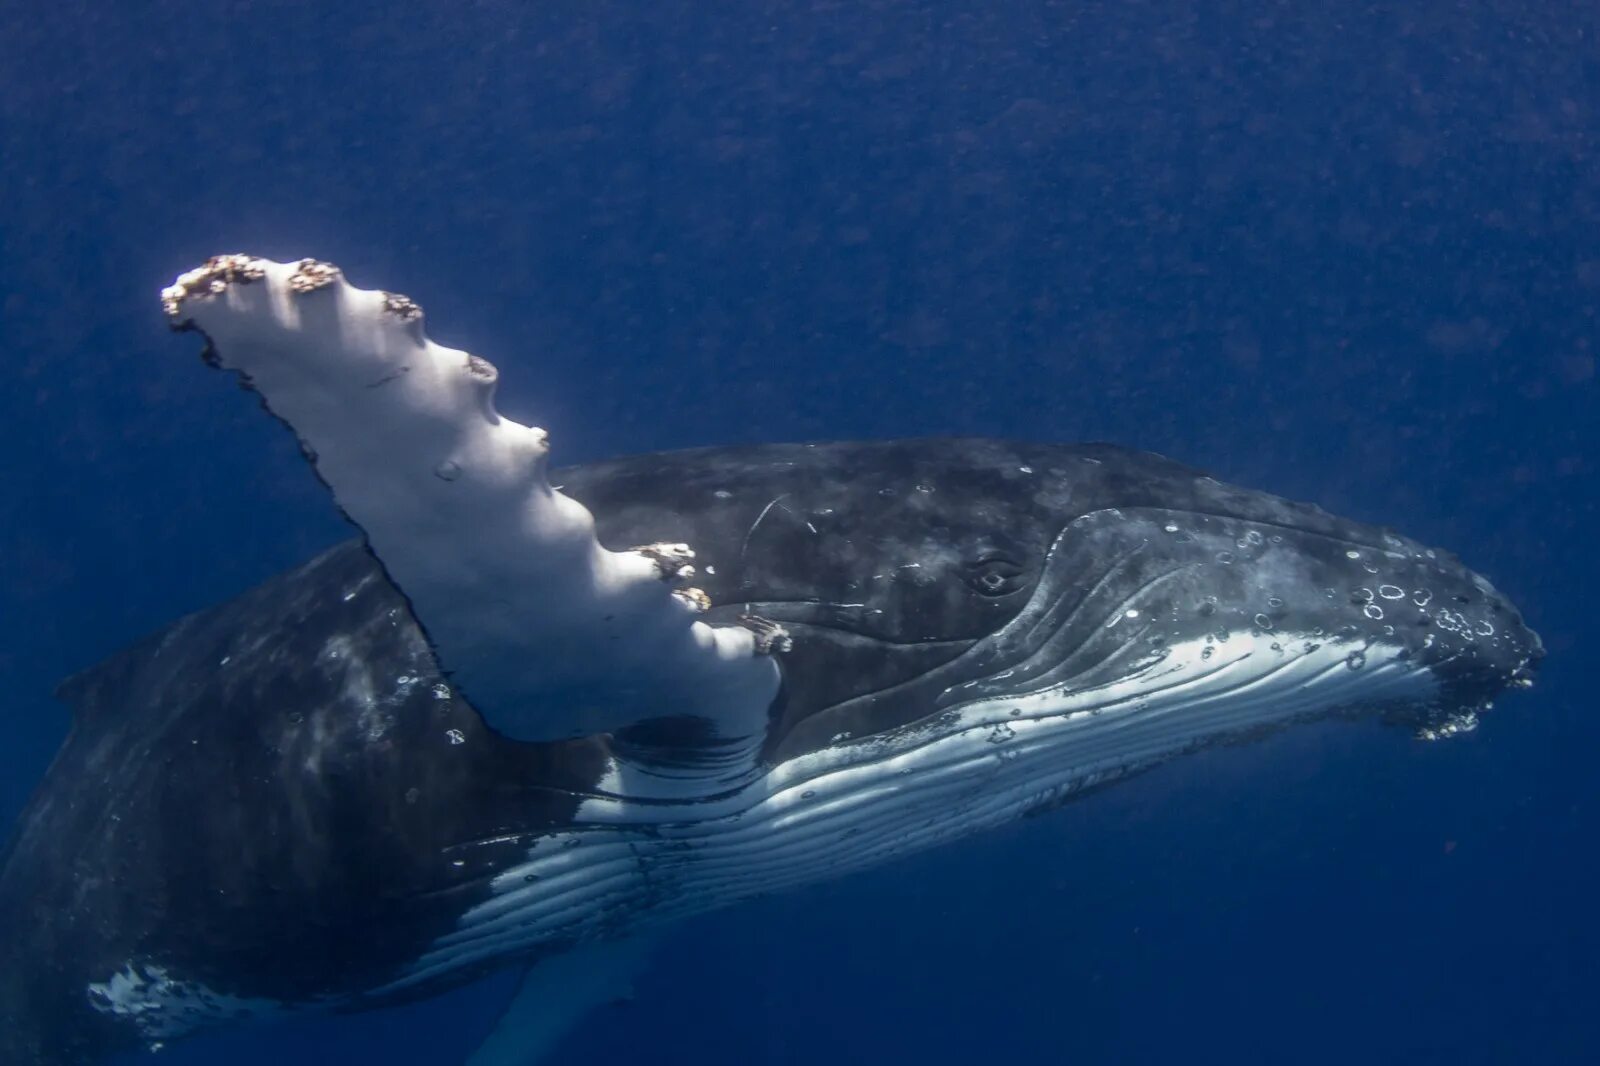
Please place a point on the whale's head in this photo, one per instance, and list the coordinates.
(1110, 605)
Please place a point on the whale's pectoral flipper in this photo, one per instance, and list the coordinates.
(556, 994)
(548, 633)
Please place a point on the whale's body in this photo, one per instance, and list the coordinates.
(295, 800)
(281, 803)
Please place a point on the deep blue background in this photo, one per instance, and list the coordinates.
(1350, 257)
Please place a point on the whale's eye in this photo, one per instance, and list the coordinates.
(995, 575)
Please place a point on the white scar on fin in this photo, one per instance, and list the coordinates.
(549, 634)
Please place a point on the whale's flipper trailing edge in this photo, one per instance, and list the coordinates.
(556, 994)
(549, 634)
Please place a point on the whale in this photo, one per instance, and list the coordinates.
(533, 714)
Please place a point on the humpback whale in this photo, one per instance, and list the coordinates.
(531, 715)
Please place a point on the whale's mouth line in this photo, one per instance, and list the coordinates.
(787, 612)
(1146, 686)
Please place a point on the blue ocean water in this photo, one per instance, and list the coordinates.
(1348, 255)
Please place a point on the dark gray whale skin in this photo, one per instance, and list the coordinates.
(225, 809)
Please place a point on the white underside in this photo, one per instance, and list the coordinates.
(164, 1006)
(624, 867)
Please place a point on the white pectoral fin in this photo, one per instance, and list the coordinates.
(555, 995)
(548, 633)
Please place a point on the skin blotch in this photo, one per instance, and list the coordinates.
(673, 561)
